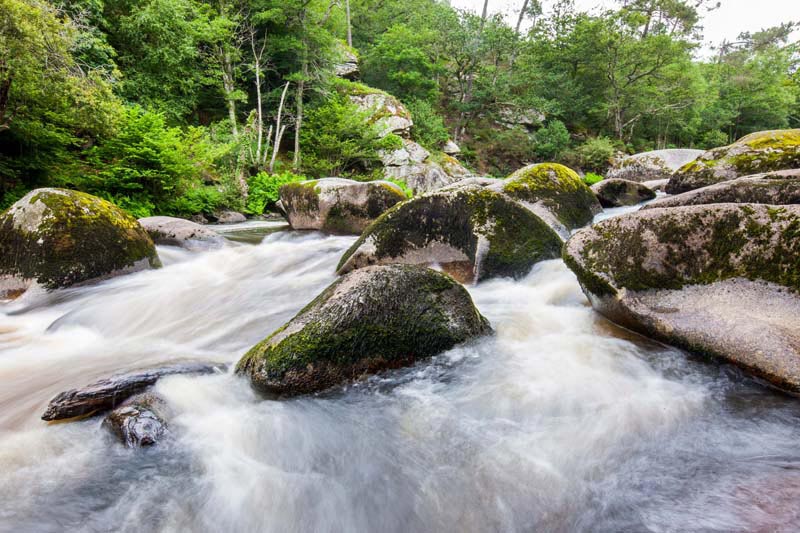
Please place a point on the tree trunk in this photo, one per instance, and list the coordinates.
(229, 87)
(278, 129)
(349, 28)
(301, 85)
(468, 94)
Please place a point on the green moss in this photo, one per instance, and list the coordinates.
(777, 140)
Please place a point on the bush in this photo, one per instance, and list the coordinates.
(591, 178)
(429, 129)
(265, 188)
(552, 140)
(595, 154)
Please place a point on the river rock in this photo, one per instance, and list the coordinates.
(230, 217)
(719, 279)
(110, 392)
(375, 318)
(656, 185)
(778, 188)
(180, 232)
(617, 192)
(139, 421)
(57, 238)
(473, 233)
(653, 165)
(757, 153)
(337, 205)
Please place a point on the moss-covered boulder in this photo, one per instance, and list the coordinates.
(336, 205)
(653, 165)
(555, 193)
(58, 238)
(171, 231)
(385, 111)
(473, 233)
(760, 152)
(721, 280)
(372, 319)
(618, 193)
(781, 187)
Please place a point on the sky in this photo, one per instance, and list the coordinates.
(725, 23)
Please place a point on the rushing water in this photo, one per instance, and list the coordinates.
(559, 422)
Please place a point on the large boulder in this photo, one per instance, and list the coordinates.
(653, 165)
(373, 319)
(721, 280)
(139, 421)
(384, 110)
(171, 231)
(618, 193)
(555, 193)
(58, 238)
(778, 188)
(420, 170)
(337, 205)
(760, 152)
(473, 233)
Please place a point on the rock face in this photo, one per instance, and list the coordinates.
(414, 165)
(58, 238)
(777, 188)
(472, 232)
(172, 231)
(139, 421)
(337, 205)
(617, 192)
(653, 165)
(721, 280)
(385, 110)
(761, 152)
(108, 393)
(555, 193)
(373, 319)
(347, 67)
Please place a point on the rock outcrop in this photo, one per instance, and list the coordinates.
(337, 205)
(618, 192)
(139, 421)
(57, 238)
(781, 187)
(653, 165)
(373, 319)
(171, 231)
(757, 153)
(721, 280)
(472, 232)
(384, 110)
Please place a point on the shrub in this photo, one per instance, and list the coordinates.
(265, 188)
(591, 178)
(429, 129)
(552, 140)
(595, 154)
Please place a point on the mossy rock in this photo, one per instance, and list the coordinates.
(373, 319)
(757, 153)
(554, 192)
(336, 205)
(775, 188)
(58, 238)
(618, 192)
(472, 232)
(652, 166)
(721, 280)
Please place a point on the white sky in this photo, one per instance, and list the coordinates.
(725, 23)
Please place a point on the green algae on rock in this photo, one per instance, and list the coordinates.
(759, 152)
(721, 280)
(375, 318)
(472, 232)
(618, 192)
(59, 237)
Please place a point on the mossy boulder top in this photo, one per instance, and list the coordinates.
(473, 233)
(760, 152)
(372, 319)
(337, 205)
(653, 165)
(58, 238)
(720, 280)
(171, 231)
(555, 193)
(618, 193)
(781, 187)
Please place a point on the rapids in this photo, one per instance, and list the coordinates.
(559, 422)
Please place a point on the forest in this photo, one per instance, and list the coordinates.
(186, 107)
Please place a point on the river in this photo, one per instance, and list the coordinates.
(559, 422)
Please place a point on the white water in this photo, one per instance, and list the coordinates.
(560, 422)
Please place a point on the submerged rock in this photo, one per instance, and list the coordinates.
(472, 232)
(781, 187)
(618, 192)
(337, 205)
(373, 319)
(721, 280)
(653, 165)
(58, 238)
(760, 152)
(172, 231)
(108, 393)
(139, 421)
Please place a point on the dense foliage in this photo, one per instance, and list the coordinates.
(191, 106)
